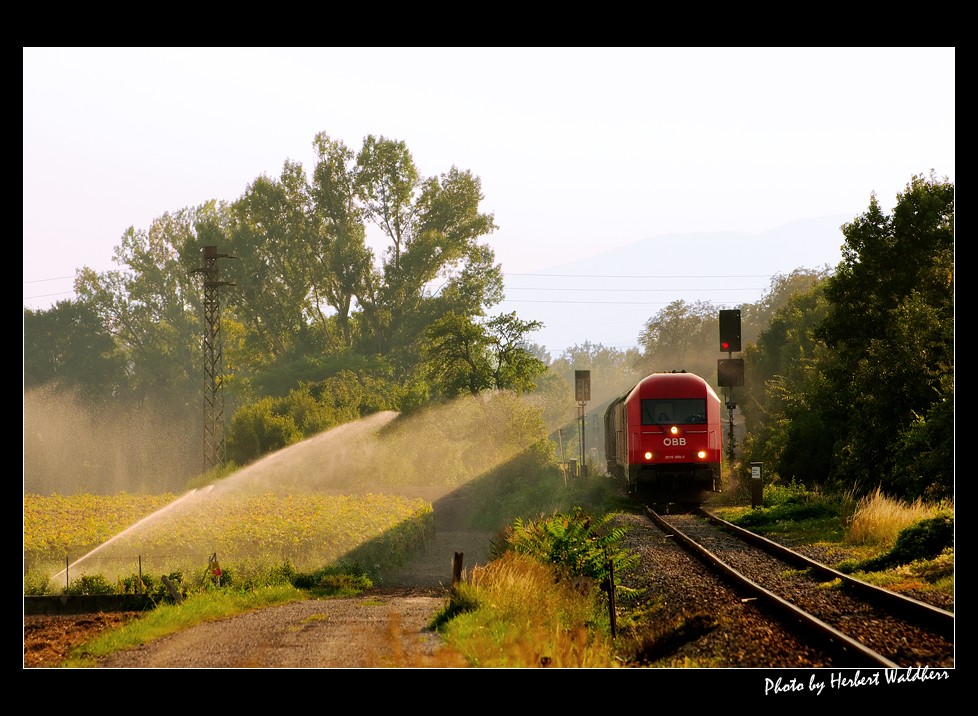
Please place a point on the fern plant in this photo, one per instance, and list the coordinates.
(577, 544)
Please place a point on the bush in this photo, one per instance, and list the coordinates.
(258, 429)
(791, 510)
(578, 545)
(334, 581)
(91, 584)
(156, 589)
(36, 584)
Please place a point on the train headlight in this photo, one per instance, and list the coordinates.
(648, 455)
(701, 454)
(674, 430)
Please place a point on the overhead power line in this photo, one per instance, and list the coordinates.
(591, 275)
(598, 303)
(48, 295)
(46, 280)
(41, 280)
(630, 290)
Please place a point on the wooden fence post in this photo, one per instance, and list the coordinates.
(457, 568)
(174, 592)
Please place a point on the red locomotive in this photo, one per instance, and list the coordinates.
(664, 438)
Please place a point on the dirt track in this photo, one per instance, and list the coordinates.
(387, 627)
(370, 631)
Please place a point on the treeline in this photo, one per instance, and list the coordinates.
(851, 383)
(849, 370)
(315, 328)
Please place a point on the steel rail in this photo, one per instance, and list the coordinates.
(848, 647)
(940, 620)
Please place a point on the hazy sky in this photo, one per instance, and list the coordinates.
(579, 149)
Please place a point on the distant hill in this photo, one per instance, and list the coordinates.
(608, 298)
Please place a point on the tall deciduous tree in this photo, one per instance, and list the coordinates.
(305, 297)
(786, 406)
(891, 330)
(682, 336)
(273, 235)
(343, 262)
(67, 346)
(612, 370)
(433, 227)
(151, 305)
(466, 356)
(513, 365)
(852, 380)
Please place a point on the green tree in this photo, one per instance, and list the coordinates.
(433, 227)
(924, 460)
(781, 289)
(67, 346)
(152, 307)
(343, 261)
(851, 380)
(272, 235)
(303, 297)
(612, 370)
(890, 328)
(455, 356)
(466, 356)
(513, 366)
(787, 407)
(259, 428)
(682, 336)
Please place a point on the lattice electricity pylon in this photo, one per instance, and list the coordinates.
(214, 444)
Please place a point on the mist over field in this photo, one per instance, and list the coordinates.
(72, 449)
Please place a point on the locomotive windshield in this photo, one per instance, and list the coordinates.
(677, 410)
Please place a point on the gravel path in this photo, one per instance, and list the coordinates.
(387, 627)
(374, 630)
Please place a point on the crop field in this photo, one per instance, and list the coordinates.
(122, 535)
(347, 497)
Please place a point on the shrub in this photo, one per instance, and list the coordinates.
(260, 428)
(334, 581)
(91, 584)
(139, 584)
(791, 510)
(578, 544)
(36, 583)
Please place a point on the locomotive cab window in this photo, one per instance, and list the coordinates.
(687, 411)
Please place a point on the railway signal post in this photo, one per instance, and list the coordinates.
(730, 370)
(582, 391)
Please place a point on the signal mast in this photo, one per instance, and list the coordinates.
(730, 370)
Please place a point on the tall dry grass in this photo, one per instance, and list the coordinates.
(878, 519)
(529, 619)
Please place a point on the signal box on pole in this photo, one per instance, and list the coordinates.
(730, 372)
(730, 330)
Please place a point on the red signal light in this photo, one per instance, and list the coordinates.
(730, 330)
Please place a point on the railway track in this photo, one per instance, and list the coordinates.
(862, 625)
